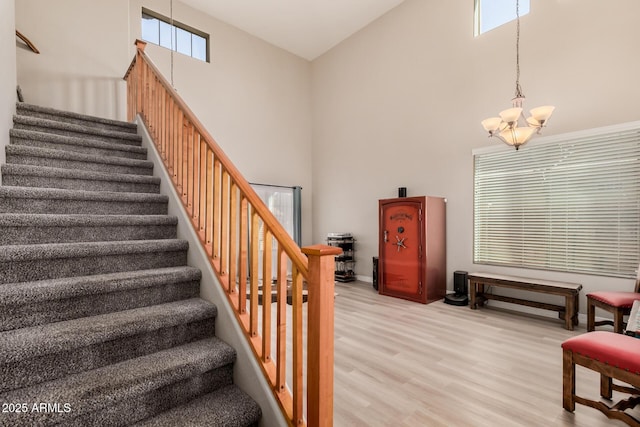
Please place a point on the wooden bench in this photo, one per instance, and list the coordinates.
(570, 291)
(613, 356)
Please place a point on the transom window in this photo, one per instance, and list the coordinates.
(158, 29)
(490, 14)
(570, 203)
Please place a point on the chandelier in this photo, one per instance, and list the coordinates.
(512, 127)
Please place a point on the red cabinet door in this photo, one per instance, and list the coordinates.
(401, 262)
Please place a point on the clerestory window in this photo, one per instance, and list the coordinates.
(181, 38)
(490, 14)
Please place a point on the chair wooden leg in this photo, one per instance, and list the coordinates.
(618, 324)
(591, 315)
(605, 386)
(568, 381)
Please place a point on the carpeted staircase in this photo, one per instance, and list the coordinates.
(100, 317)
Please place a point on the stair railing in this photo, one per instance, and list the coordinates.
(235, 229)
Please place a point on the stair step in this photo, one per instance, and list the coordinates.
(31, 110)
(46, 352)
(26, 263)
(57, 201)
(48, 177)
(70, 129)
(37, 156)
(35, 138)
(129, 391)
(24, 229)
(226, 407)
(27, 304)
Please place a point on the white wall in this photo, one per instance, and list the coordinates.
(8, 75)
(83, 55)
(253, 98)
(400, 104)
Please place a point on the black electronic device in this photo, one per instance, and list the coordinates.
(375, 273)
(460, 288)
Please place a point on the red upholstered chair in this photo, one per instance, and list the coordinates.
(617, 303)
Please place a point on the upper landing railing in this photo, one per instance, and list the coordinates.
(241, 237)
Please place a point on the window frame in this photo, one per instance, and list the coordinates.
(497, 238)
(477, 16)
(174, 42)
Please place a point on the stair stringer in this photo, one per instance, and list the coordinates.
(246, 371)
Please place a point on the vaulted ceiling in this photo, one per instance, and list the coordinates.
(307, 28)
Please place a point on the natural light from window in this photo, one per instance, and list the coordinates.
(490, 14)
(157, 29)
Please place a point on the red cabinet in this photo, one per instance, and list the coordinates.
(412, 248)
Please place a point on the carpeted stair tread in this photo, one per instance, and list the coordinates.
(37, 156)
(61, 201)
(48, 177)
(135, 381)
(42, 353)
(27, 343)
(32, 138)
(25, 304)
(25, 109)
(55, 193)
(25, 263)
(13, 253)
(20, 229)
(70, 129)
(69, 287)
(226, 407)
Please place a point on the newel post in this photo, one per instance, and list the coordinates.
(140, 45)
(320, 334)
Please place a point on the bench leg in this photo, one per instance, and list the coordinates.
(591, 315)
(568, 381)
(569, 311)
(472, 295)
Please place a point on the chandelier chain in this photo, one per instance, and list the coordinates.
(518, 88)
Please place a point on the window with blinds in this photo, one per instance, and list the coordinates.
(569, 204)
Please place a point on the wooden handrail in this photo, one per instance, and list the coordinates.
(30, 45)
(237, 231)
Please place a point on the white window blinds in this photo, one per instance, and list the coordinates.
(571, 204)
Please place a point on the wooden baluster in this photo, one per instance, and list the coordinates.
(203, 190)
(165, 125)
(224, 224)
(297, 333)
(179, 153)
(281, 322)
(244, 238)
(129, 110)
(140, 70)
(186, 160)
(217, 196)
(254, 273)
(320, 326)
(177, 125)
(208, 225)
(191, 168)
(233, 238)
(172, 135)
(195, 211)
(152, 106)
(266, 296)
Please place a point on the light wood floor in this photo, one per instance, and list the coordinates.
(400, 363)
